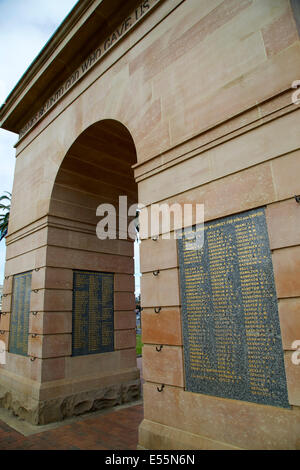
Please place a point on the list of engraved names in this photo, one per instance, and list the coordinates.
(19, 323)
(93, 313)
(232, 341)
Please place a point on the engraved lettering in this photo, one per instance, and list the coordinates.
(232, 341)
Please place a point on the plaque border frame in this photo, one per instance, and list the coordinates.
(180, 251)
(30, 271)
(91, 271)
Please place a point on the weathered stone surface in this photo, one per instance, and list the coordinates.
(44, 412)
(163, 327)
(283, 220)
(21, 406)
(154, 435)
(165, 366)
(235, 423)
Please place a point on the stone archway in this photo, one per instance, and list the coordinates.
(213, 121)
(81, 323)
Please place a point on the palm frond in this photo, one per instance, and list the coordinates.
(4, 217)
(4, 207)
(5, 198)
(4, 221)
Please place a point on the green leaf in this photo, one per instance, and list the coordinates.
(4, 217)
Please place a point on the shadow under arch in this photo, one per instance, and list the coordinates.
(96, 169)
(98, 165)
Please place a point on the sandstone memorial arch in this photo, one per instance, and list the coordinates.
(161, 101)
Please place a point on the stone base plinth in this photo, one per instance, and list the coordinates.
(160, 437)
(61, 403)
(179, 419)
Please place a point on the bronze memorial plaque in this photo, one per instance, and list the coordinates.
(231, 331)
(19, 323)
(93, 313)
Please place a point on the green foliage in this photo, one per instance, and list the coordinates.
(139, 345)
(4, 217)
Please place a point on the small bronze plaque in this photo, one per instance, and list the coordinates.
(93, 313)
(19, 323)
(231, 331)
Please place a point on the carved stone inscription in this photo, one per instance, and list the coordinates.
(127, 24)
(93, 313)
(19, 323)
(231, 331)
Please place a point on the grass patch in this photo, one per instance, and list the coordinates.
(139, 344)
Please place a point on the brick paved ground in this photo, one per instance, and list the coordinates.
(116, 430)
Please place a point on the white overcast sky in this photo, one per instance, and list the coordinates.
(25, 27)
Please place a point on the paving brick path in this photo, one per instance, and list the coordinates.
(116, 430)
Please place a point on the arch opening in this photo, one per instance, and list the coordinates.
(97, 273)
(97, 169)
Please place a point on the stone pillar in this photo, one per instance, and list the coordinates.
(49, 384)
(175, 418)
